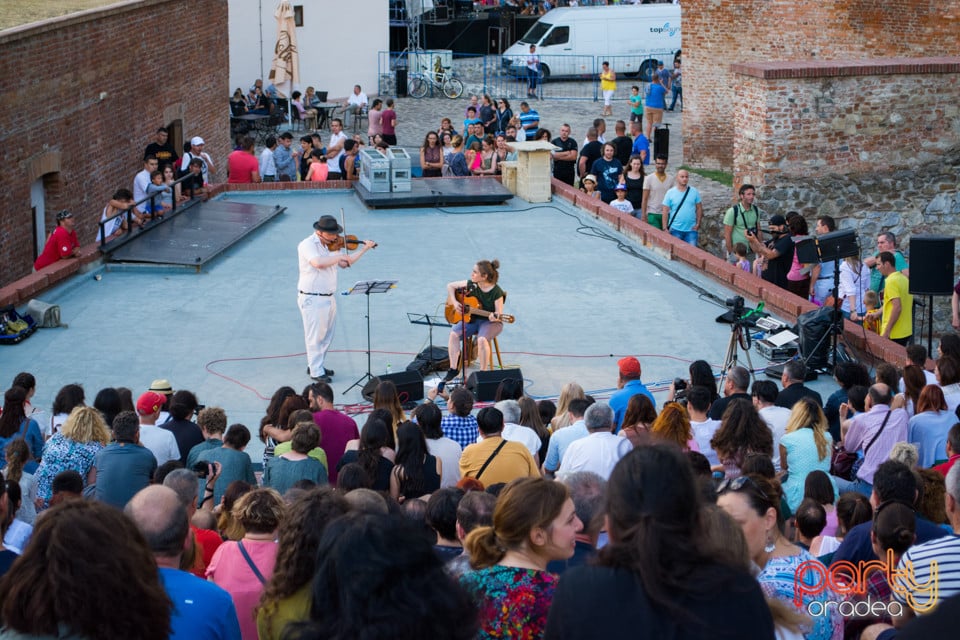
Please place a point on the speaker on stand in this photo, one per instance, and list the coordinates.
(483, 384)
(931, 272)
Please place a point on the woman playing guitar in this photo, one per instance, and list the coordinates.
(482, 285)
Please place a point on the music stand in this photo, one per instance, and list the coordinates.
(366, 287)
(834, 246)
(430, 322)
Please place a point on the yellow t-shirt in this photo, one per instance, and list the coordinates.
(512, 462)
(896, 285)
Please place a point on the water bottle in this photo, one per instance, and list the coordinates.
(388, 368)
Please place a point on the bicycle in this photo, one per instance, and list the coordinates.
(426, 80)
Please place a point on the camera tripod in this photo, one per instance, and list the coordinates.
(739, 339)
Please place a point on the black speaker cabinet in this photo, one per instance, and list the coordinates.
(931, 265)
(483, 384)
(409, 385)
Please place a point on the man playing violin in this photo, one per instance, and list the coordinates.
(319, 259)
(482, 285)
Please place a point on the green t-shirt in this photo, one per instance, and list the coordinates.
(636, 104)
(487, 299)
(741, 219)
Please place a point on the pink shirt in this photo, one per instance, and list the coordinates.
(230, 571)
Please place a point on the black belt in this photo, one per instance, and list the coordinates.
(307, 293)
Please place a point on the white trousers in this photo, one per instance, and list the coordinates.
(319, 315)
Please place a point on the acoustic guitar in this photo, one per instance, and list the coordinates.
(471, 307)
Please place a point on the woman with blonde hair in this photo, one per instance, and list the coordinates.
(74, 447)
(534, 522)
(570, 391)
(673, 425)
(805, 447)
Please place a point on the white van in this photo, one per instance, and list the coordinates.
(632, 36)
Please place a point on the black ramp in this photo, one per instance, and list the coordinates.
(196, 235)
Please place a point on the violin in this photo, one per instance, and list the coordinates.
(349, 242)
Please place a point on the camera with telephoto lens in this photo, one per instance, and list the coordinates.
(680, 390)
(736, 303)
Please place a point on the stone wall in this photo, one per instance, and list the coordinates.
(720, 33)
(82, 95)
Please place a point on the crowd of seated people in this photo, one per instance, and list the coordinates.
(584, 517)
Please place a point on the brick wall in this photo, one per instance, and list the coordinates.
(719, 33)
(155, 60)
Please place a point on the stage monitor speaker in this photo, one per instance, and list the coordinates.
(837, 245)
(409, 385)
(483, 384)
(931, 265)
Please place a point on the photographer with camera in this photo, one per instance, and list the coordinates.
(740, 221)
(777, 253)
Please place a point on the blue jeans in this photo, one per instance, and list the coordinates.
(677, 93)
(857, 485)
(690, 237)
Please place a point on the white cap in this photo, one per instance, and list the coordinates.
(196, 141)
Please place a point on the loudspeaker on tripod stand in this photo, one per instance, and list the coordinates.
(931, 265)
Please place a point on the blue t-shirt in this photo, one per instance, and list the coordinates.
(122, 470)
(559, 442)
(641, 144)
(656, 96)
(30, 431)
(201, 609)
(686, 217)
(619, 400)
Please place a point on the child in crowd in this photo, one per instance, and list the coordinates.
(193, 186)
(870, 302)
(319, 170)
(474, 159)
(741, 250)
(621, 203)
(758, 266)
(636, 104)
(521, 132)
(589, 186)
(471, 118)
(164, 200)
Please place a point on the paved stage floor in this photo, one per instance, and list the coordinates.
(583, 297)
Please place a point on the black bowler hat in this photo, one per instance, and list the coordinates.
(327, 223)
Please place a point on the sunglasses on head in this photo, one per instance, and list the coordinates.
(738, 483)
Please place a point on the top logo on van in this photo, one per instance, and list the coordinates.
(667, 29)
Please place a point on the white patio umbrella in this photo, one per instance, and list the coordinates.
(286, 58)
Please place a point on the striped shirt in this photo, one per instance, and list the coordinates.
(946, 552)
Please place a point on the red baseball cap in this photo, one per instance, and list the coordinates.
(150, 402)
(629, 366)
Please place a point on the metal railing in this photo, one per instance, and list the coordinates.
(130, 216)
(559, 78)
